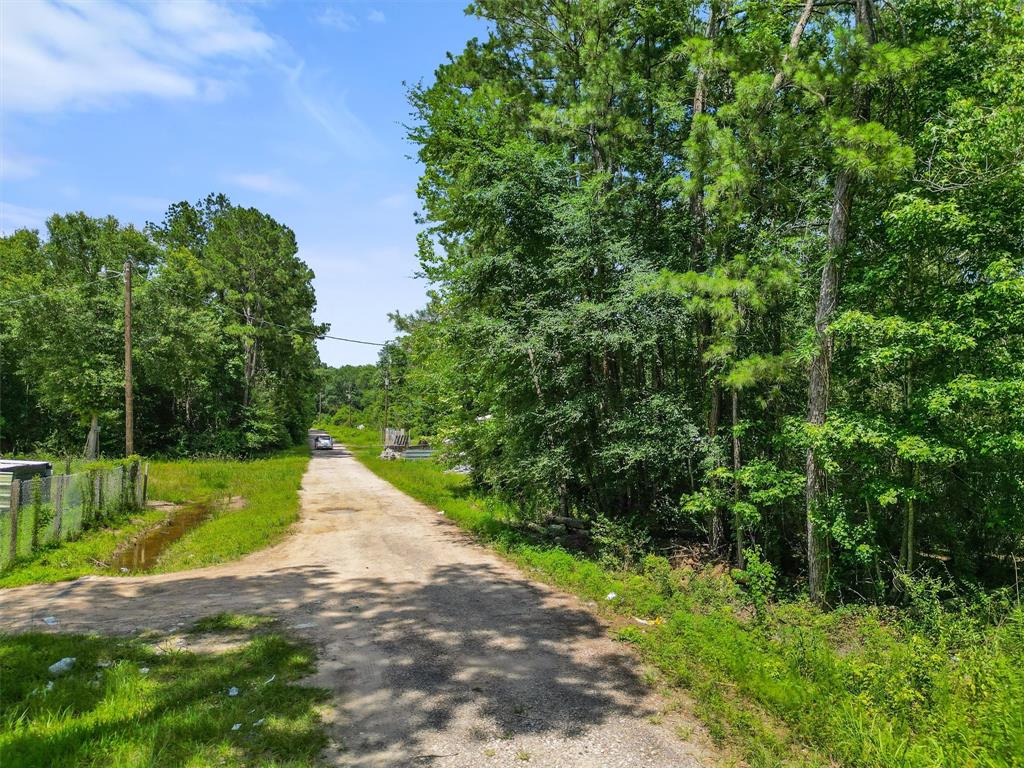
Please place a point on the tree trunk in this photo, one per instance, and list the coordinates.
(737, 520)
(821, 370)
(907, 546)
(716, 523)
(251, 357)
(92, 441)
(794, 41)
(821, 362)
(698, 214)
(699, 262)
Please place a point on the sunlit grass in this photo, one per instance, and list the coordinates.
(125, 704)
(85, 555)
(856, 686)
(265, 496)
(268, 487)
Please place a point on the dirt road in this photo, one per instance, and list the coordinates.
(439, 653)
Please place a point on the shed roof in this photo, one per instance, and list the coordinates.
(11, 465)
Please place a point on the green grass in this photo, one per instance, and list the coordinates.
(267, 488)
(231, 622)
(857, 686)
(424, 481)
(80, 557)
(108, 711)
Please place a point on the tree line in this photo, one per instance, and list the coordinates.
(739, 273)
(224, 356)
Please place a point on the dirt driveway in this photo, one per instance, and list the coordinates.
(439, 653)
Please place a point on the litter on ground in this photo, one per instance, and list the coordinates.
(62, 666)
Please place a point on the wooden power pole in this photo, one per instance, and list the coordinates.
(129, 416)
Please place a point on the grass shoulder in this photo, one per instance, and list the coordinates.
(88, 554)
(268, 488)
(154, 702)
(782, 683)
(252, 504)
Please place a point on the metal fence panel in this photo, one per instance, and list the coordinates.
(48, 510)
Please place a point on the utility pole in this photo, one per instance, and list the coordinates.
(387, 383)
(129, 416)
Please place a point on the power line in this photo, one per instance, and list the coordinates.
(30, 297)
(300, 331)
(353, 341)
(261, 321)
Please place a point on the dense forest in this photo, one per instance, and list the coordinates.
(350, 395)
(742, 274)
(224, 359)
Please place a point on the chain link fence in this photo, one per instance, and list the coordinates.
(48, 510)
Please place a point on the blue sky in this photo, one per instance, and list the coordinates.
(294, 108)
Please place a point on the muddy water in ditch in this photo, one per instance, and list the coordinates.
(143, 554)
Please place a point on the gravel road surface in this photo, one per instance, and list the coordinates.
(439, 653)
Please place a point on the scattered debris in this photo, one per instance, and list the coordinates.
(440, 511)
(50, 620)
(104, 664)
(123, 569)
(62, 666)
(258, 723)
(459, 469)
(236, 727)
(144, 670)
(270, 679)
(307, 625)
(232, 691)
(638, 620)
(611, 596)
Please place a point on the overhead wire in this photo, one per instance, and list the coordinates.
(261, 321)
(58, 289)
(301, 331)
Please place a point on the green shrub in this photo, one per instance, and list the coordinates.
(620, 543)
(759, 578)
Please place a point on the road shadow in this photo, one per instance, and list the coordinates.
(469, 646)
(472, 642)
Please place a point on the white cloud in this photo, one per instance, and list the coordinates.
(14, 217)
(328, 109)
(377, 17)
(332, 16)
(267, 183)
(55, 54)
(14, 166)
